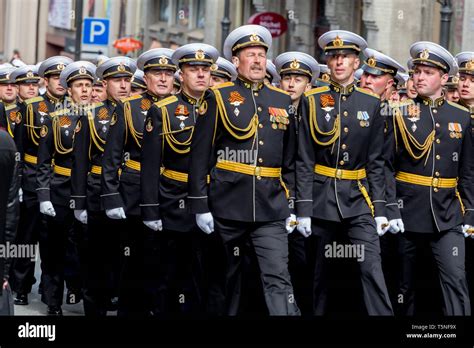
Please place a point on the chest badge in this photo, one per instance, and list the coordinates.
(455, 130)
(181, 113)
(363, 118)
(327, 104)
(65, 122)
(235, 99)
(414, 113)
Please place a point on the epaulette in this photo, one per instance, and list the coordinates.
(98, 104)
(133, 97)
(402, 103)
(277, 89)
(33, 100)
(60, 112)
(10, 107)
(458, 106)
(365, 91)
(222, 85)
(166, 101)
(317, 90)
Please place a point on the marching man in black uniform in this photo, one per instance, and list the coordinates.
(465, 62)
(245, 139)
(166, 144)
(121, 194)
(340, 171)
(101, 245)
(54, 189)
(433, 180)
(33, 114)
(8, 98)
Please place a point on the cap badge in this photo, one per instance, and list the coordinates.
(371, 62)
(82, 70)
(425, 54)
(337, 42)
(199, 55)
(60, 66)
(294, 64)
(163, 61)
(29, 74)
(455, 79)
(325, 77)
(121, 67)
(214, 67)
(470, 65)
(254, 38)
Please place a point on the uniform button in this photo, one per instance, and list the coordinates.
(437, 125)
(260, 142)
(341, 163)
(255, 94)
(345, 113)
(438, 157)
(346, 130)
(435, 189)
(472, 116)
(344, 98)
(344, 146)
(438, 141)
(437, 173)
(435, 111)
(260, 160)
(259, 108)
(259, 177)
(260, 125)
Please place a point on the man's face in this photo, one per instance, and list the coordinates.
(80, 91)
(295, 85)
(27, 90)
(8, 92)
(251, 63)
(137, 91)
(452, 95)
(466, 87)
(118, 87)
(411, 90)
(54, 87)
(195, 79)
(378, 84)
(99, 94)
(343, 66)
(159, 82)
(428, 80)
(217, 80)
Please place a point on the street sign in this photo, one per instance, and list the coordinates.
(96, 31)
(127, 44)
(274, 22)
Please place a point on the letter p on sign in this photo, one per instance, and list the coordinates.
(96, 31)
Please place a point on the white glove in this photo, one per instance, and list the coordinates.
(47, 208)
(382, 225)
(81, 215)
(116, 213)
(396, 225)
(290, 223)
(465, 228)
(155, 225)
(205, 222)
(20, 195)
(304, 226)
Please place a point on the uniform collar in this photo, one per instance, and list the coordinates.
(463, 103)
(53, 100)
(336, 87)
(10, 104)
(433, 103)
(111, 102)
(189, 99)
(151, 96)
(250, 84)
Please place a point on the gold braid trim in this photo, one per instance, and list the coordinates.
(57, 138)
(96, 139)
(168, 134)
(248, 131)
(314, 127)
(34, 137)
(127, 111)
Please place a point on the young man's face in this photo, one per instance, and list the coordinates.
(295, 85)
(137, 91)
(428, 80)
(466, 87)
(343, 67)
(217, 80)
(118, 87)
(452, 95)
(378, 84)
(27, 90)
(159, 82)
(99, 94)
(251, 63)
(53, 86)
(195, 79)
(80, 91)
(411, 90)
(8, 92)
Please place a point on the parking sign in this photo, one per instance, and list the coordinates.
(96, 31)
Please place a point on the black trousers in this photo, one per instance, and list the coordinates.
(391, 265)
(174, 272)
(361, 232)
(448, 249)
(99, 260)
(60, 256)
(132, 268)
(270, 242)
(31, 225)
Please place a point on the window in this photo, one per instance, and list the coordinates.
(201, 14)
(182, 13)
(164, 11)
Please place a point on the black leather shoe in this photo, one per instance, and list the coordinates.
(73, 296)
(55, 311)
(21, 299)
(112, 304)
